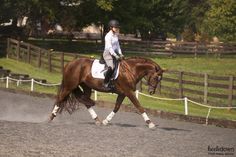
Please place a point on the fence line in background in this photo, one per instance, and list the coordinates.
(32, 81)
(204, 88)
(198, 87)
(169, 48)
(185, 99)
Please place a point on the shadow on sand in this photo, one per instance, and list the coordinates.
(173, 129)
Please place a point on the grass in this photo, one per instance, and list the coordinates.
(169, 106)
(174, 106)
(202, 64)
(24, 68)
(210, 65)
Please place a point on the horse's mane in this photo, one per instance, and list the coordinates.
(141, 60)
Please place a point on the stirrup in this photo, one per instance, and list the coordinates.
(106, 87)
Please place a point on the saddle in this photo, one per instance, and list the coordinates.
(99, 69)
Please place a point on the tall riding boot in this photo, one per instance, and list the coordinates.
(107, 77)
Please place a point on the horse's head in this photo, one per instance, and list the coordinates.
(153, 78)
(148, 69)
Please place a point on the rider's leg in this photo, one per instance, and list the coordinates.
(108, 76)
(109, 62)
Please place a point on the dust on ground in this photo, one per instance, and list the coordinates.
(24, 133)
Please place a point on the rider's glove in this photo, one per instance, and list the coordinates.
(117, 57)
(122, 57)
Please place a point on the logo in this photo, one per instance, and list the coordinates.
(220, 150)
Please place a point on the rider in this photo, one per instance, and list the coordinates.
(112, 49)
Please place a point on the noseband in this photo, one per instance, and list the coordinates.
(152, 86)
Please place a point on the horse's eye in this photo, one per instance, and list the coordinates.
(159, 78)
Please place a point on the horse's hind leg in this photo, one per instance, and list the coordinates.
(88, 102)
(60, 99)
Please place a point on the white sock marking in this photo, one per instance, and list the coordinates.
(110, 116)
(145, 117)
(92, 113)
(55, 110)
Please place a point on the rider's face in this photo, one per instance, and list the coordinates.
(115, 29)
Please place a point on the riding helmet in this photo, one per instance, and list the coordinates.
(114, 23)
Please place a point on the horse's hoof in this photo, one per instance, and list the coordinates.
(105, 122)
(151, 126)
(98, 122)
(51, 118)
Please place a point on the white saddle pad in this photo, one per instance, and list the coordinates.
(98, 70)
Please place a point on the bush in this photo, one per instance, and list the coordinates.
(188, 35)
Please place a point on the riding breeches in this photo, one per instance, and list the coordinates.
(108, 59)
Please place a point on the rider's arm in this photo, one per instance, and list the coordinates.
(108, 46)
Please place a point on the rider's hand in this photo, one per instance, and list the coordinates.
(122, 57)
(117, 57)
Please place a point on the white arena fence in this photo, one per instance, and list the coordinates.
(185, 99)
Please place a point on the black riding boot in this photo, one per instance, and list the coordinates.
(107, 77)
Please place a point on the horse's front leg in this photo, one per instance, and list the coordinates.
(119, 101)
(136, 103)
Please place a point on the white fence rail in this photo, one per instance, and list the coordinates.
(32, 81)
(137, 93)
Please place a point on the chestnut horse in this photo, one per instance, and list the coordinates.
(77, 85)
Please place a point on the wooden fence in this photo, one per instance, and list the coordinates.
(166, 48)
(204, 88)
(174, 48)
(52, 60)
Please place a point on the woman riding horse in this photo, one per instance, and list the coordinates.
(77, 85)
(112, 50)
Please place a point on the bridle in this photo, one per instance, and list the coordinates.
(152, 87)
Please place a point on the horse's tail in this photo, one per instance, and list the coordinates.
(67, 101)
(59, 91)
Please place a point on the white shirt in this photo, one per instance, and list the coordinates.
(112, 43)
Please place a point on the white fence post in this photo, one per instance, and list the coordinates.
(32, 85)
(17, 83)
(208, 114)
(7, 82)
(95, 95)
(136, 93)
(186, 105)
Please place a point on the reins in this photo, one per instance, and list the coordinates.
(127, 68)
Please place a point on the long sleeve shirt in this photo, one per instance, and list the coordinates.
(112, 44)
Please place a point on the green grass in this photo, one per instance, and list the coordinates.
(169, 106)
(24, 68)
(202, 64)
(174, 106)
(211, 65)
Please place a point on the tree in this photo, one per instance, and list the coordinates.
(220, 20)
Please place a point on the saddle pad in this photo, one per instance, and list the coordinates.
(98, 70)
